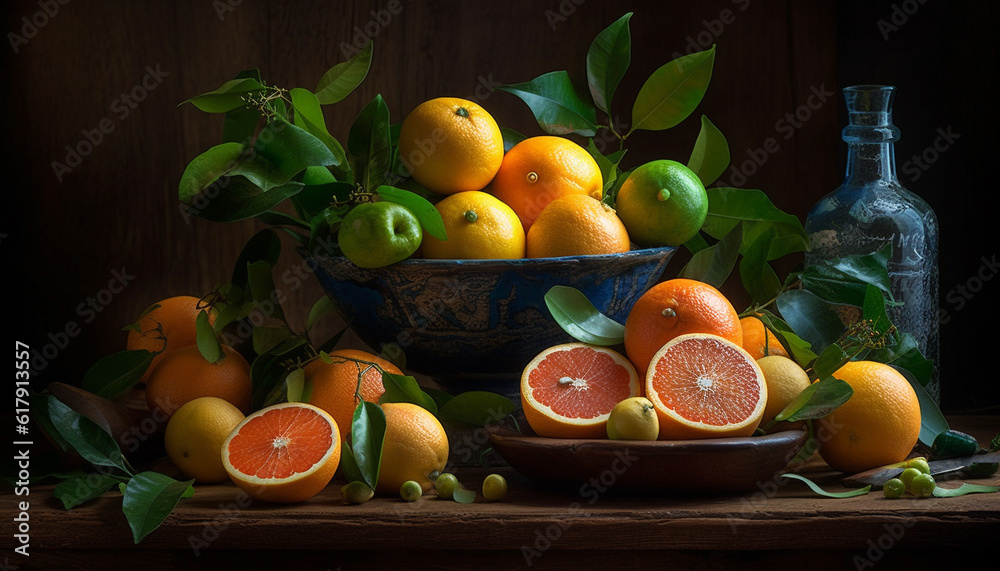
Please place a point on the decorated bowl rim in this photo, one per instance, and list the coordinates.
(638, 252)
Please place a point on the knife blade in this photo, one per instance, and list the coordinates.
(879, 476)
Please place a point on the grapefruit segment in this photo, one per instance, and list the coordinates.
(705, 386)
(568, 391)
(283, 453)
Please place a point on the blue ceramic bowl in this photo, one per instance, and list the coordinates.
(475, 324)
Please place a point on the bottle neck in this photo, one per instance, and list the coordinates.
(869, 163)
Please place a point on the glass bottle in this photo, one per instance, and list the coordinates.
(871, 208)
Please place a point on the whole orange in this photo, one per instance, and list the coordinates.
(878, 425)
(479, 227)
(415, 446)
(185, 375)
(165, 328)
(331, 386)
(451, 145)
(755, 342)
(677, 307)
(538, 170)
(577, 225)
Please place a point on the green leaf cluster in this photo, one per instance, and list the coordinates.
(667, 97)
(147, 497)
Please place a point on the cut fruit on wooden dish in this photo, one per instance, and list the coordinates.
(284, 453)
(705, 386)
(568, 391)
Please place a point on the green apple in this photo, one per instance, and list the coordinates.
(376, 234)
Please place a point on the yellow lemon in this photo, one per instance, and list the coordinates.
(195, 434)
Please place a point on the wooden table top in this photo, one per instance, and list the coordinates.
(532, 527)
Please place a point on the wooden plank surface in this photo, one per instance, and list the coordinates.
(532, 523)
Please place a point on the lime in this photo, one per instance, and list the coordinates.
(662, 203)
(356, 492)
(445, 486)
(411, 491)
(908, 475)
(922, 485)
(894, 488)
(633, 419)
(376, 234)
(494, 487)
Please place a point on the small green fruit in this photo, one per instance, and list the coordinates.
(445, 486)
(410, 491)
(356, 493)
(377, 234)
(494, 487)
(923, 485)
(894, 488)
(908, 475)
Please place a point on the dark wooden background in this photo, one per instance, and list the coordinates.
(63, 239)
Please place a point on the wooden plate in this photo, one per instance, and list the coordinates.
(705, 466)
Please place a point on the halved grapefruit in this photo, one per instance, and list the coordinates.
(568, 391)
(283, 453)
(705, 386)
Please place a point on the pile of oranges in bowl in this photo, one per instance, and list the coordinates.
(544, 197)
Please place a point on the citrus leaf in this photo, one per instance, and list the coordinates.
(837, 495)
(282, 151)
(830, 361)
(758, 277)
(260, 277)
(208, 343)
(580, 319)
(710, 155)
(367, 436)
(227, 97)
(370, 144)
(715, 263)
(296, 388)
(320, 309)
(149, 498)
(799, 349)
(349, 465)
(240, 124)
(266, 372)
(965, 488)
(428, 216)
(729, 206)
(845, 280)
(309, 116)
(207, 168)
(115, 374)
(607, 61)
(932, 420)
(510, 138)
(267, 338)
(810, 317)
(817, 400)
(264, 245)
(556, 105)
(85, 436)
(478, 408)
(673, 91)
(340, 80)
(236, 198)
(404, 388)
(80, 489)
